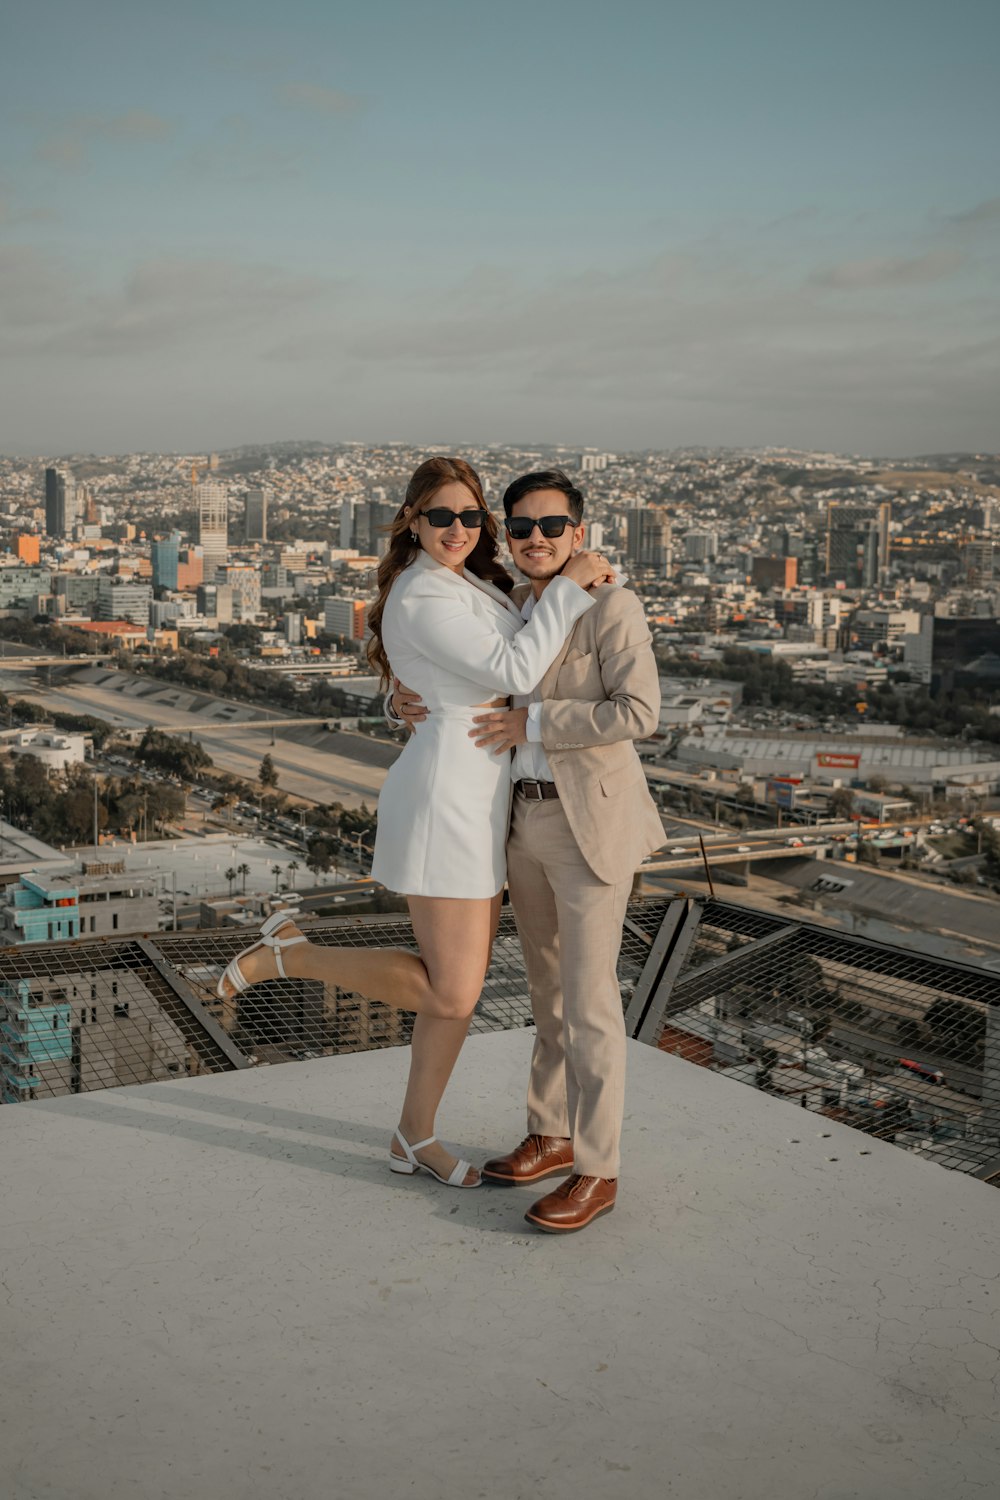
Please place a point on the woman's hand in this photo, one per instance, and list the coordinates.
(407, 705)
(588, 569)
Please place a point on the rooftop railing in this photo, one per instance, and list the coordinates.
(897, 1044)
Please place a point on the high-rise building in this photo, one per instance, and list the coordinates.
(215, 602)
(165, 555)
(649, 539)
(980, 562)
(120, 599)
(371, 522)
(701, 546)
(213, 526)
(190, 568)
(29, 547)
(347, 524)
(857, 541)
(60, 503)
(345, 618)
(293, 627)
(255, 515)
(884, 531)
(245, 584)
(774, 572)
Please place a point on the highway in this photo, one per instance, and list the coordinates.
(311, 773)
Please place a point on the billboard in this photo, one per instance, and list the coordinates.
(831, 762)
(781, 792)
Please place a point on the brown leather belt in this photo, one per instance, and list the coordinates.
(536, 791)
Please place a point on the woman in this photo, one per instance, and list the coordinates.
(443, 623)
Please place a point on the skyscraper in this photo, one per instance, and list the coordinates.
(884, 528)
(213, 526)
(255, 515)
(60, 503)
(857, 543)
(347, 524)
(165, 556)
(649, 540)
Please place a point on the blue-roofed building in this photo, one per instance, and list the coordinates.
(54, 906)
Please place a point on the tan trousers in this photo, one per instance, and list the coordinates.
(570, 925)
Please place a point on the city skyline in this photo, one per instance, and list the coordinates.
(631, 231)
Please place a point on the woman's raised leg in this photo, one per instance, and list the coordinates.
(391, 975)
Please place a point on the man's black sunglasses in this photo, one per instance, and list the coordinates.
(521, 527)
(472, 520)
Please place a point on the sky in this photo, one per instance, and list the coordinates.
(621, 226)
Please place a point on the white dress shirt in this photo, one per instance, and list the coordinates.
(530, 763)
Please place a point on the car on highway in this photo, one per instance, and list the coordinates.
(793, 843)
(679, 850)
(920, 1070)
(743, 849)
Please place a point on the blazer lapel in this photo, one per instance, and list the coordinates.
(492, 592)
(546, 688)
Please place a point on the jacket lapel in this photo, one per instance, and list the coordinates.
(546, 688)
(492, 592)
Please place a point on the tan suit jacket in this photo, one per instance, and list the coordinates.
(600, 694)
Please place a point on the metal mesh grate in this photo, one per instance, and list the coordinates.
(899, 1045)
(92, 1015)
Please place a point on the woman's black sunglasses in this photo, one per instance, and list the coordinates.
(521, 527)
(472, 520)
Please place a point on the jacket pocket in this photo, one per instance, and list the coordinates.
(614, 782)
(576, 666)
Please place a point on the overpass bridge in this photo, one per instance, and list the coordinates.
(32, 663)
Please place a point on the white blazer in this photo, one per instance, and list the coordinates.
(457, 640)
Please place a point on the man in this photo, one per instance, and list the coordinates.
(581, 823)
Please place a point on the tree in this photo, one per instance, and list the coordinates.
(841, 802)
(267, 775)
(225, 800)
(959, 1029)
(243, 870)
(276, 872)
(231, 876)
(322, 853)
(293, 865)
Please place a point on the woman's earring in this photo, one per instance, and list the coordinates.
(413, 536)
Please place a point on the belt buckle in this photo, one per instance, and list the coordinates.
(535, 795)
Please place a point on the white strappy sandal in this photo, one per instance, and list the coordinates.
(234, 974)
(409, 1165)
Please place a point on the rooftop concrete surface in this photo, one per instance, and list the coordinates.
(215, 1290)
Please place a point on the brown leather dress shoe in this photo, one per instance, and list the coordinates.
(574, 1204)
(536, 1157)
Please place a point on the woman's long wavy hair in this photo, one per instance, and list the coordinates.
(482, 560)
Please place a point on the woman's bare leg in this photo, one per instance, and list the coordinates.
(391, 975)
(455, 937)
(447, 939)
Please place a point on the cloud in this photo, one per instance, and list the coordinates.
(68, 146)
(671, 349)
(35, 293)
(987, 212)
(11, 215)
(232, 152)
(208, 307)
(918, 270)
(317, 99)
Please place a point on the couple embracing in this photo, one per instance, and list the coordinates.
(544, 686)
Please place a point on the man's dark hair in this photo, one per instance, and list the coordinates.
(544, 479)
